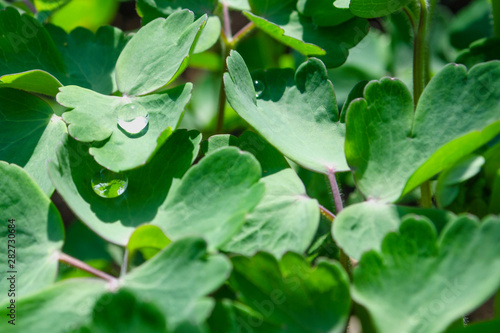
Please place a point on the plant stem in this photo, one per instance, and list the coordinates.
(344, 259)
(241, 34)
(335, 191)
(30, 6)
(419, 54)
(421, 74)
(227, 20)
(495, 4)
(124, 268)
(326, 213)
(63, 257)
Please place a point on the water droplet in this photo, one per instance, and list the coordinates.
(133, 118)
(259, 87)
(109, 184)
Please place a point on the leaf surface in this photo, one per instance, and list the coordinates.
(362, 227)
(415, 262)
(291, 295)
(296, 113)
(38, 234)
(156, 53)
(392, 150)
(94, 117)
(183, 274)
(29, 134)
(285, 219)
(115, 219)
(282, 21)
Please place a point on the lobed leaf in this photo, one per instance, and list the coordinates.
(156, 53)
(415, 262)
(392, 150)
(289, 295)
(296, 113)
(93, 119)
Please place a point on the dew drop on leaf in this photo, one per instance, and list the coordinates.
(109, 184)
(133, 118)
(259, 87)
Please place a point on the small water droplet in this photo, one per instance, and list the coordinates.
(109, 184)
(259, 87)
(133, 118)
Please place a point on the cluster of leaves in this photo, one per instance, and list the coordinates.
(230, 233)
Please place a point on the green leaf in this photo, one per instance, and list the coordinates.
(26, 45)
(183, 274)
(291, 295)
(94, 118)
(72, 300)
(362, 227)
(156, 53)
(323, 12)
(152, 9)
(238, 4)
(148, 237)
(35, 81)
(213, 198)
(37, 234)
(29, 133)
(376, 8)
(271, 161)
(282, 21)
(115, 219)
(483, 50)
(90, 59)
(447, 186)
(123, 312)
(209, 35)
(296, 113)
(286, 219)
(392, 150)
(39, 59)
(471, 23)
(440, 274)
(90, 14)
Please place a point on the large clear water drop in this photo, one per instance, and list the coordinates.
(259, 87)
(109, 184)
(133, 118)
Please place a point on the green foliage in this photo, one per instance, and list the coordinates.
(184, 170)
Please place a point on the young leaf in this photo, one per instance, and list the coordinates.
(34, 81)
(148, 238)
(37, 234)
(115, 219)
(95, 117)
(362, 227)
(286, 219)
(213, 198)
(72, 300)
(183, 274)
(419, 283)
(392, 150)
(291, 295)
(376, 8)
(281, 21)
(156, 53)
(209, 35)
(296, 113)
(29, 133)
